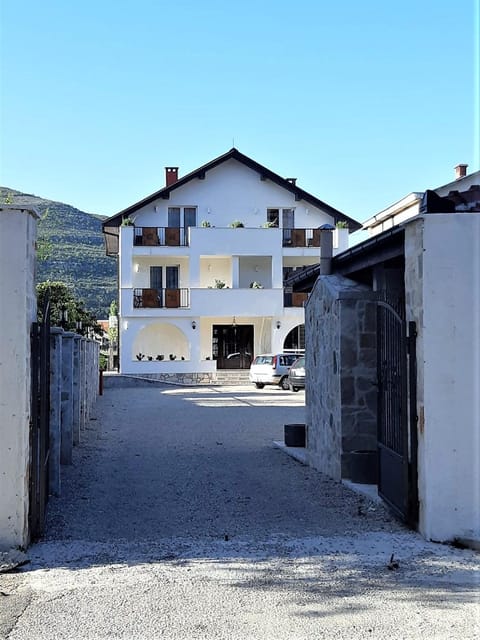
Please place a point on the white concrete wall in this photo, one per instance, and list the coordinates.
(230, 192)
(18, 310)
(443, 297)
(235, 256)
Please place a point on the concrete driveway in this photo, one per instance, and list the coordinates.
(179, 519)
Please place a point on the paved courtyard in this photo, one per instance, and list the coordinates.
(179, 519)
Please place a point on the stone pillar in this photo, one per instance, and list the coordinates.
(55, 410)
(18, 229)
(76, 420)
(83, 384)
(67, 398)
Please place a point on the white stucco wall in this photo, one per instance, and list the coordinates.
(443, 297)
(230, 192)
(18, 305)
(238, 257)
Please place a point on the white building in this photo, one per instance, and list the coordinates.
(195, 287)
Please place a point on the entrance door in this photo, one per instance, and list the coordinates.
(397, 443)
(232, 346)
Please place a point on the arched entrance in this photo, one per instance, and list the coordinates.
(295, 339)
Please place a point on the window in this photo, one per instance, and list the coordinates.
(174, 217)
(170, 274)
(286, 215)
(190, 217)
(156, 278)
(171, 277)
(273, 216)
(177, 215)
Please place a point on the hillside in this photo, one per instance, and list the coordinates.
(77, 254)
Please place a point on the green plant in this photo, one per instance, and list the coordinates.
(236, 224)
(127, 222)
(341, 224)
(205, 223)
(256, 285)
(272, 224)
(220, 284)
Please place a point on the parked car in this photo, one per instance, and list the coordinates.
(296, 375)
(271, 368)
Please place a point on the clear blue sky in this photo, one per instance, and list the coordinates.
(363, 102)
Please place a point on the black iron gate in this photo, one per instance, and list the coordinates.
(39, 422)
(397, 429)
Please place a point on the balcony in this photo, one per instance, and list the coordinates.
(294, 298)
(179, 237)
(161, 298)
(160, 237)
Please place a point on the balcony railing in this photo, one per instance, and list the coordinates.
(161, 298)
(160, 237)
(301, 237)
(178, 237)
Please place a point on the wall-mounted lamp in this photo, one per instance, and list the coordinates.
(256, 268)
(194, 325)
(137, 267)
(307, 211)
(125, 324)
(208, 210)
(279, 324)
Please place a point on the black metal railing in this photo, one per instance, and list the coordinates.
(301, 237)
(161, 298)
(178, 237)
(160, 237)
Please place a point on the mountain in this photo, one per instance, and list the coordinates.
(76, 253)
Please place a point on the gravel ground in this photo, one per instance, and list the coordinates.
(179, 519)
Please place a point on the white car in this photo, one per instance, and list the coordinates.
(270, 368)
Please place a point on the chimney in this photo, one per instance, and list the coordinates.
(460, 171)
(171, 175)
(292, 181)
(326, 249)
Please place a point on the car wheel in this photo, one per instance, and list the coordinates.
(259, 385)
(295, 388)
(284, 384)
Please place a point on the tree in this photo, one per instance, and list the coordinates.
(65, 310)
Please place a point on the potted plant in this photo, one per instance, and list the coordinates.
(205, 223)
(256, 285)
(271, 224)
(127, 222)
(236, 224)
(220, 284)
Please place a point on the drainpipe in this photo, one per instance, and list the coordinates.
(326, 249)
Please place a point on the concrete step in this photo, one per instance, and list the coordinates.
(232, 376)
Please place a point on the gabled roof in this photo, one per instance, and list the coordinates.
(265, 174)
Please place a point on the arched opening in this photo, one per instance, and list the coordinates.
(295, 339)
(160, 341)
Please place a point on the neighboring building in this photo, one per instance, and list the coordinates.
(202, 264)
(393, 362)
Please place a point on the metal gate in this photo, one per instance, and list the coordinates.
(397, 429)
(39, 422)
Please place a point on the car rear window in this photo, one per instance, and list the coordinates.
(263, 360)
(287, 361)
